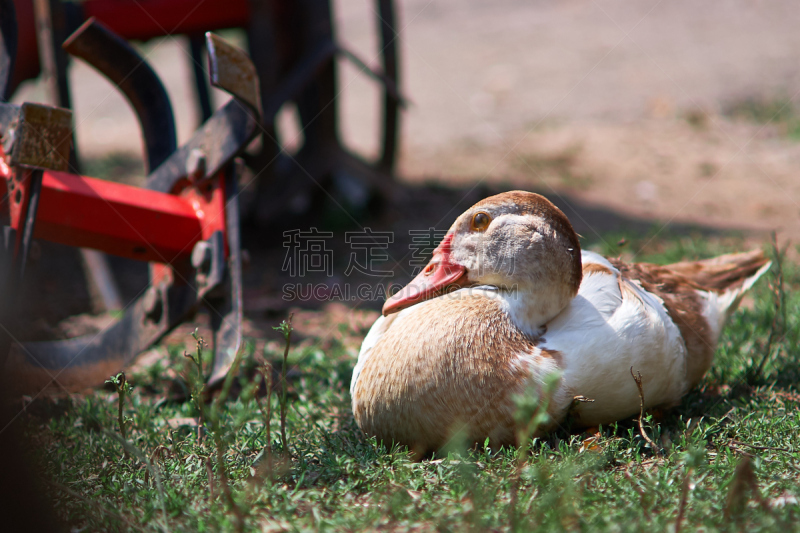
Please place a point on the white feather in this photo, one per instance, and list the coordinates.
(604, 332)
(718, 307)
(374, 334)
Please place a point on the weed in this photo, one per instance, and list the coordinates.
(197, 381)
(123, 388)
(638, 379)
(266, 412)
(213, 416)
(286, 329)
(530, 414)
(778, 326)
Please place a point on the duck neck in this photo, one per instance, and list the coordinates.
(532, 308)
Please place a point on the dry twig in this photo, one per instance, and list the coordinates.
(684, 499)
(638, 379)
(778, 327)
(744, 479)
(753, 446)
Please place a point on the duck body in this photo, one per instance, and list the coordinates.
(437, 365)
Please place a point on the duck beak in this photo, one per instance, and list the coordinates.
(440, 274)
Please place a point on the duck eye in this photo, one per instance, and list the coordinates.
(481, 221)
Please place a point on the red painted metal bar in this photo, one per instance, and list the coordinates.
(123, 220)
(133, 19)
(145, 19)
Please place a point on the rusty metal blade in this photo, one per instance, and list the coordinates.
(42, 137)
(232, 70)
(88, 360)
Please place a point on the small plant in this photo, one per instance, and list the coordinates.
(266, 412)
(120, 383)
(285, 327)
(777, 331)
(197, 383)
(213, 418)
(530, 414)
(638, 379)
(210, 417)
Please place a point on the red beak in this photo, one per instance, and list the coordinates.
(434, 279)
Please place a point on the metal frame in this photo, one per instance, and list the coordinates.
(293, 45)
(185, 222)
(306, 63)
(72, 209)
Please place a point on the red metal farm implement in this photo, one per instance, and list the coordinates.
(185, 222)
(293, 46)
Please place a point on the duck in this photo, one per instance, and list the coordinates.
(510, 305)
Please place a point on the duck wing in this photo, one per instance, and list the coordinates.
(699, 297)
(614, 325)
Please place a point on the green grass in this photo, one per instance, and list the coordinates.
(333, 478)
(780, 112)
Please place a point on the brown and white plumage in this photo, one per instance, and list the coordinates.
(529, 304)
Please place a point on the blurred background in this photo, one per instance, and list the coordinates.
(647, 121)
(671, 112)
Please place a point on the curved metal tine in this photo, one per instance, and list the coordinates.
(84, 361)
(201, 88)
(8, 47)
(88, 360)
(391, 104)
(113, 57)
(232, 70)
(226, 313)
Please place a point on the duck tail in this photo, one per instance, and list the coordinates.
(725, 279)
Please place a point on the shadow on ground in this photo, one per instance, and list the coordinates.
(54, 288)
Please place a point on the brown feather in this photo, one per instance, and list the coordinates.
(678, 285)
(596, 268)
(420, 387)
(724, 272)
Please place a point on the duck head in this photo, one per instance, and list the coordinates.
(517, 242)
